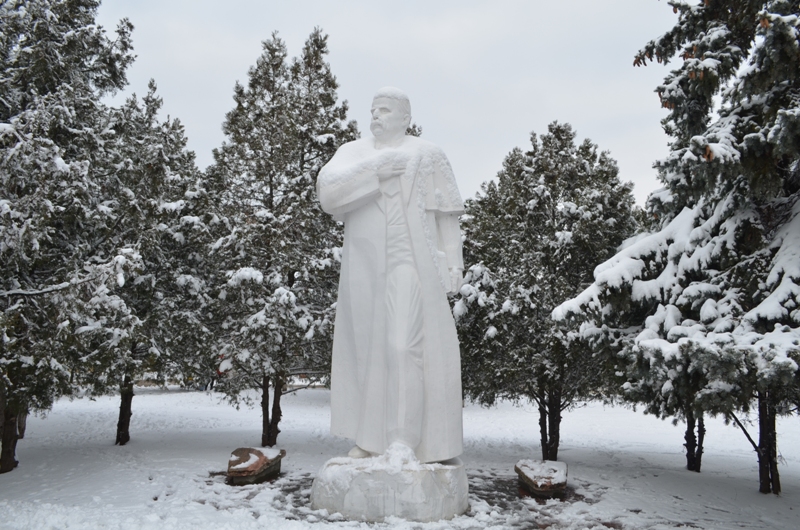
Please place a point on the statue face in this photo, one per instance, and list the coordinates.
(388, 118)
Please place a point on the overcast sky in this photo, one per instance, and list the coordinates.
(481, 75)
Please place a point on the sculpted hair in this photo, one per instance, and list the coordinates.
(395, 93)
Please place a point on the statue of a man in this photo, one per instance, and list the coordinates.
(396, 374)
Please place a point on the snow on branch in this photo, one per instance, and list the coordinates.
(628, 267)
(784, 276)
(47, 290)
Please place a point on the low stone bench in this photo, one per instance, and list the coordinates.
(251, 465)
(542, 478)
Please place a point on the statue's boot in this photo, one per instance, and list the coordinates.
(357, 452)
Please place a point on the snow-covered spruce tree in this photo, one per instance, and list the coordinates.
(532, 240)
(281, 255)
(56, 291)
(702, 315)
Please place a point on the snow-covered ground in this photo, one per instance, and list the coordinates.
(626, 470)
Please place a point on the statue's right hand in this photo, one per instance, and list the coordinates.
(391, 168)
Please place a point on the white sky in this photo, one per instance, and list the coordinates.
(481, 75)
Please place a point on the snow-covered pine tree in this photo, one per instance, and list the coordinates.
(702, 314)
(55, 65)
(532, 239)
(414, 130)
(281, 256)
(156, 204)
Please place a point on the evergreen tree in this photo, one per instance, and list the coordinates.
(56, 291)
(701, 314)
(281, 256)
(160, 207)
(532, 239)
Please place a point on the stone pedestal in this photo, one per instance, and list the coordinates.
(371, 489)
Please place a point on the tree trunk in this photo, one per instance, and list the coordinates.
(691, 440)
(543, 424)
(773, 451)
(264, 411)
(22, 424)
(549, 423)
(701, 436)
(9, 436)
(272, 439)
(768, 476)
(554, 421)
(125, 401)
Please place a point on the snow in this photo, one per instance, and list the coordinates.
(627, 266)
(626, 469)
(244, 465)
(175, 206)
(60, 164)
(785, 273)
(194, 284)
(396, 459)
(245, 274)
(690, 246)
(270, 453)
(544, 472)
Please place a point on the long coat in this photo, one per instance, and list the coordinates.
(348, 188)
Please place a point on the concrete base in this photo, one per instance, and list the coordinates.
(372, 489)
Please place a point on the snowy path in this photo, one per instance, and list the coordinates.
(626, 468)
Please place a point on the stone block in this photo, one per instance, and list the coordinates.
(542, 478)
(251, 465)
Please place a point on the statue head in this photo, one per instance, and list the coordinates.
(391, 114)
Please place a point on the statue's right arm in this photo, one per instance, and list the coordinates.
(348, 181)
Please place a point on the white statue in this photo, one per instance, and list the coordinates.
(396, 374)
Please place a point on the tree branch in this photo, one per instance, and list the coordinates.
(46, 290)
(735, 419)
